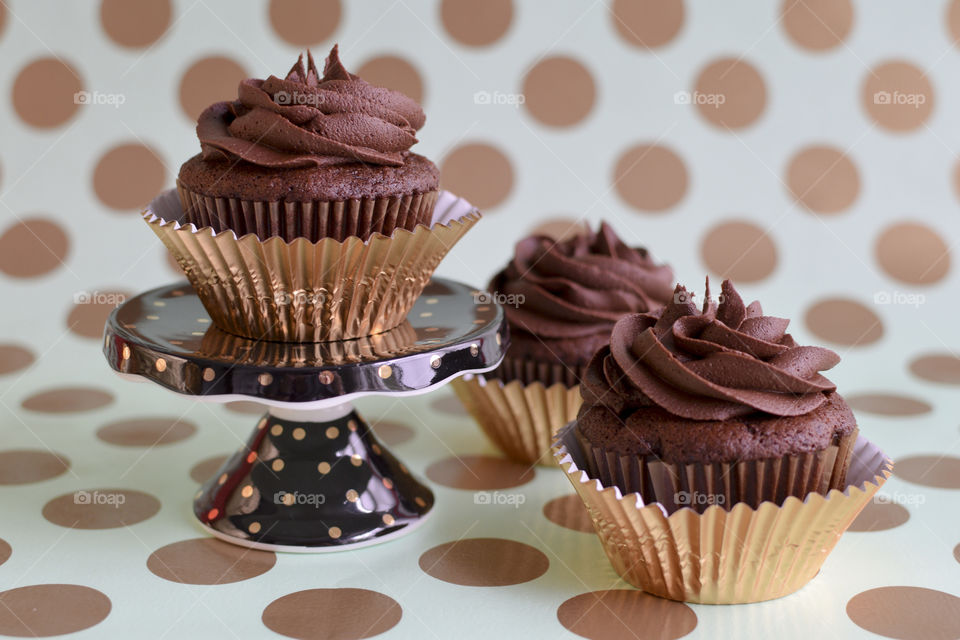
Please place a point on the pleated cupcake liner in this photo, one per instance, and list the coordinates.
(529, 371)
(303, 291)
(725, 484)
(722, 556)
(520, 419)
(312, 219)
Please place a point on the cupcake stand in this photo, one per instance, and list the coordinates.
(312, 476)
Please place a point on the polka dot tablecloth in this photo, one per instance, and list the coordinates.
(806, 148)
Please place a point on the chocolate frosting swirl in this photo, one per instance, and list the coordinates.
(306, 120)
(715, 363)
(581, 286)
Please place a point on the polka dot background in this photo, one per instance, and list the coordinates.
(807, 149)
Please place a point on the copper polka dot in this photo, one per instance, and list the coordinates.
(908, 613)
(478, 472)
(22, 466)
(823, 179)
(6, 551)
(560, 228)
(941, 472)
(843, 321)
(44, 93)
(128, 176)
(730, 93)
(880, 516)
(323, 467)
(817, 24)
(956, 552)
(647, 23)
(276, 430)
(897, 96)
(332, 433)
(204, 470)
(43, 610)
(484, 562)
(305, 22)
(888, 404)
(448, 404)
(207, 81)
(208, 561)
(937, 367)
(332, 613)
(394, 73)
(569, 512)
(90, 313)
(244, 407)
(476, 23)
(146, 432)
(135, 23)
(953, 21)
(478, 172)
(13, 358)
(68, 400)
(617, 614)
(101, 508)
(33, 247)
(913, 253)
(559, 91)
(739, 250)
(650, 178)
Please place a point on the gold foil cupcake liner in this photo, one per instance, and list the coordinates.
(303, 291)
(529, 371)
(722, 556)
(313, 219)
(521, 420)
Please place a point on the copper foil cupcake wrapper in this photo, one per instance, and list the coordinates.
(312, 219)
(303, 291)
(722, 556)
(520, 419)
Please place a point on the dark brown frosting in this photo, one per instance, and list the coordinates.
(712, 363)
(307, 120)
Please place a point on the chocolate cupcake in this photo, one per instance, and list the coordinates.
(713, 406)
(310, 156)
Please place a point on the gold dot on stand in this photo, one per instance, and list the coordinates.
(377, 450)
(262, 423)
(179, 343)
(484, 308)
(385, 371)
(435, 361)
(126, 352)
(432, 329)
(251, 457)
(265, 379)
(198, 494)
(212, 514)
(420, 501)
(276, 430)
(474, 350)
(326, 377)
(196, 333)
(388, 483)
(388, 519)
(254, 527)
(159, 303)
(499, 339)
(209, 374)
(289, 499)
(299, 433)
(161, 365)
(277, 465)
(480, 321)
(203, 320)
(222, 479)
(432, 301)
(334, 532)
(176, 293)
(352, 425)
(333, 432)
(426, 314)
(356, 460)
(247, 491)
(153, 317)
(323, 467)
(352, 495)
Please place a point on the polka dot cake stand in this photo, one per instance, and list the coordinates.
(312, 476)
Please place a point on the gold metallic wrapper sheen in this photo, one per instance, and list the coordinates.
(520, 419)
(304, 291)
(722, 556)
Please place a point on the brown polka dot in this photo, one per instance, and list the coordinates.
(5, 551)
(880, 516)
(337, 614)
(205, 469)
(13, 357)
(626, 614)
(476, 23)
(128, 176)
(845, 322)
(146, 432)
(448, 404)
(478, 473)
(304, 23)
(817, 24)
(913, 253)
(560, 228)
(647, 23)
(888, 404)
(101, 508)
(484, 562)
(137, 23)
(208, 561)
(209, 80)
(33, 247)
(569, 512)
(937, 367)
(730, 93)
(478, 172)
(898, 96)
(559, 91)
(90, 312)
(953, 20)
(394, 73)
(650, 178)
(68, 400)
(739, 250)
(43, 610)
(22, 466)
(391, 433)
(941, 472)
(956, 552)
(246, 408)
(44, 93)
(908, 613)
(823, 179)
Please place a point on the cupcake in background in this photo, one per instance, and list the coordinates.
(561, 298)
